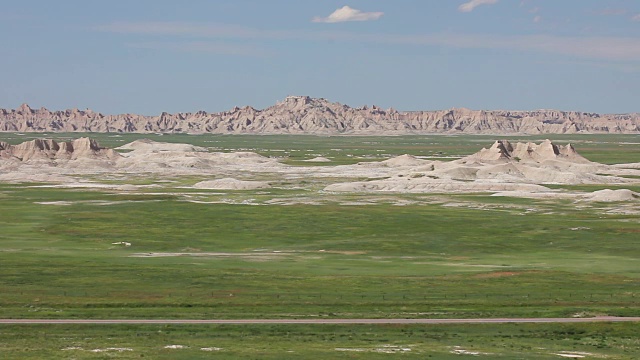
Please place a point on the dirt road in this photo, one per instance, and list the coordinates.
(319, 321)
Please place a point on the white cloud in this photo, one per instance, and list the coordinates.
(537, 19)
(469, 6)
(636, 17)
(347, 13)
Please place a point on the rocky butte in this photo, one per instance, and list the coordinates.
(47, 149)
(306, 115)
(503, 169)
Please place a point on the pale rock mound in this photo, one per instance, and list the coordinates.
(146, 145)
(544, 163)
(628, 166)
(318, 159)
(520, 167)
(245, 156)
(168, 162)
(405, 160)
(430, 186)
(15, 176)
(503, 150)
(467, 173)
(49, 150)
(608, 195)
(4, 146)
(231, 184)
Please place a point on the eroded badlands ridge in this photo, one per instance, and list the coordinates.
(305, 115)
(501, 168)
(50, 150)
(520, 169)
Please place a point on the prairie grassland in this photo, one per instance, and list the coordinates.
(65, 253)
(382, 260)
(506, 341)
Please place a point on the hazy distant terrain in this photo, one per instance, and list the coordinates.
(305, 115)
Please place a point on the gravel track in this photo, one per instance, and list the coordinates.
(318, 321)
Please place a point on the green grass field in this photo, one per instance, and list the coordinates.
(460, 256)
(506, 341)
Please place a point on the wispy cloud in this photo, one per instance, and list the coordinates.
(347, 13)
(636, 17)
(611, 12)
(469, 6)
(181, 29)
(219, 48)
(607, 48)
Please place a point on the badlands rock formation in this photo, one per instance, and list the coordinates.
(46, 160)
(608, 195)
(305, 115)
(50, 161)
(506, 169)
(146, 145)
(528, 152)
(50, 150)
(231, 184)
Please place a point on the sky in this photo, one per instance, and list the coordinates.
(150, 56)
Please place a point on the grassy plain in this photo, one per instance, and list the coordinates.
(506, 341)
(435, 256)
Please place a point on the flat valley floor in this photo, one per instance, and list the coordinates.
(303, 227)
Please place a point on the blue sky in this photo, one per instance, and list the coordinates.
(149, 56)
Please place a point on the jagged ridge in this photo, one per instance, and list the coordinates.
(505, 150)
(47, 149)
(305, 115)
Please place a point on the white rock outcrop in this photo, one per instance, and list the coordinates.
(47, 149)
(231, 184)
(503, 167)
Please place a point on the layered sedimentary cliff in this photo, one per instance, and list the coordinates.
(305, 115)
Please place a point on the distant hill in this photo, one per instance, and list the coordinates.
(305, 115)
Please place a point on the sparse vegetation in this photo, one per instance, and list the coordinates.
(505, 341)
(437, 255)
